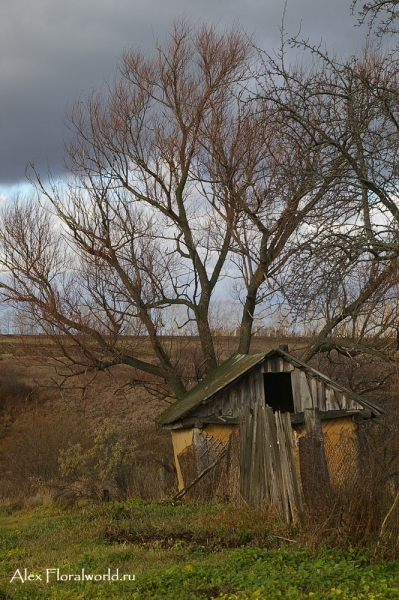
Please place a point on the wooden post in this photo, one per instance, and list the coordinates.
(313, 422)
(313, 464)
(246, 432)
(253, 482)
(293, 474)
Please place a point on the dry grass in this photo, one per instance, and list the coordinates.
(38, 420)
(360, 508)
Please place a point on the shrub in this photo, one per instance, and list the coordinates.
(101, 471)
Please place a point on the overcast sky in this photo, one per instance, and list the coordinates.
(54, 50)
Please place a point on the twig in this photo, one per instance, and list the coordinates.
(385, 520)
(188, 487)
(285, 539)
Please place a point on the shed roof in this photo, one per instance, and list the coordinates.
(231, 370)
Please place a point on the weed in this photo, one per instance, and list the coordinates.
(48, 537)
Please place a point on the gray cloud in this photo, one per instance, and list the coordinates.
(52, 51)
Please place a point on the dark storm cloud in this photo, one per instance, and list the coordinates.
(52, 51)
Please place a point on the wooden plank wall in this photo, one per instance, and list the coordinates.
(309, 391)
(315, 477)
(267, 461)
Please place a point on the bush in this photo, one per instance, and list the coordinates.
(102, 471)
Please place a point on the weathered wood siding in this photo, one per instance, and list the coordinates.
(181, 439)
(227, 402)
(267, 461)
(308, 392)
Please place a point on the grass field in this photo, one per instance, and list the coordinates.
(175, 551)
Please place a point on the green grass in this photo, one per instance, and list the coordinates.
(177, 551)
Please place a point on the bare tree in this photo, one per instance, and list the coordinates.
(134, 212)
(381, 15)
(275, 181)
(201, 165)
(173, 181)
(349, 266)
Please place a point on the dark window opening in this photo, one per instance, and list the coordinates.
(278, 392)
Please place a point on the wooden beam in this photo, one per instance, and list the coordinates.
(297, 418)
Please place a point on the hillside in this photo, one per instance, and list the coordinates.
(44, 412)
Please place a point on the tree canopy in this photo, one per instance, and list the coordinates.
(208, 167)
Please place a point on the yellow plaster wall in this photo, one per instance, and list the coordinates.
(220, 432)
(335, 427)
(340, 443)
(181, 438)
(340, 437)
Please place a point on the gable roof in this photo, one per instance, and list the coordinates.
(219, 378)
(231, 370)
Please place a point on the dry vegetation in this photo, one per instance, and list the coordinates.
(49, 449)
(40, 418)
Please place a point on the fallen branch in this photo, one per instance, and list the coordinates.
(188, 487)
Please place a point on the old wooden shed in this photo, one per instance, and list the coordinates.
(266, 402)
